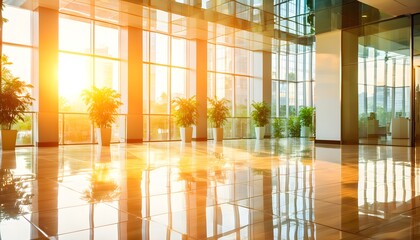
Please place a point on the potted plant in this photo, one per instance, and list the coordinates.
(102, 104)
(278, 127)
(260, 116)
(305, 116)
(293, 126)
(15, 99)
(185, 113)
(217, 113)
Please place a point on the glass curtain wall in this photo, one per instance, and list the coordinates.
(165, 75)
(292, 75)
(293, 58)
(91, 59)
(18, 47)
(230, 76)
(384, 83)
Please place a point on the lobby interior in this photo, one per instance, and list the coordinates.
(355, 62)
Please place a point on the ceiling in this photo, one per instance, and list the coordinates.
(395, 7)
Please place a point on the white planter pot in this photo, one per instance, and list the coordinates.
(103, 135)
(186, 134)
(8, 139)
(259, 132)
(305, 132)
(218, 134)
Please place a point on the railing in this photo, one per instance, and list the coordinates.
(26, 133)
(76, 128)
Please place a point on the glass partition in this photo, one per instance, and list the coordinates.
(384, 83)
(416, 73)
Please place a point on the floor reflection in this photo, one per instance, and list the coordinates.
(238, 189)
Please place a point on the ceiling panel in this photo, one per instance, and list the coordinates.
(395, 7)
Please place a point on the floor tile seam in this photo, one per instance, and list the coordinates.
(256, 210)
(167, 226)
(86, 229)
(59, 208)
(331, 227)
(223, 234)
(36, 227)
(71, 188)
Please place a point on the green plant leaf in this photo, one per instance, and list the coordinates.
(185, 111)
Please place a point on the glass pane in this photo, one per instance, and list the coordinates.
(107, 40)
(17, 29)
(283, 65)
(211, 83)
(159, 128)
(224, 59)
(159, 20)
(159, 48)
(24, 135)
(241, 96)
(292, 99)
(145, 88)
(146, 126)
(385, 83)
(119, 129)
(77, 129)
(107, 73)
(159, 89)
(242, 61)
(308, 94)
(179, 52)
(300, 94)
(146, 46)
(211, 62)
(224, 86)
(74, 75)
(70, 27)
(175, 132)
(416, 71)
(275, 98)
(21, 59)
(283, 98)
(178, 82)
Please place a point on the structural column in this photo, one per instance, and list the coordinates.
(350, 100)
(328, 87)
(198, 84)
(132, 90)
(46, 56)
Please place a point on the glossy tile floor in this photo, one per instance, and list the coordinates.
(238, 189)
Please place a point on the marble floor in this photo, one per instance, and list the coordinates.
(238, 189)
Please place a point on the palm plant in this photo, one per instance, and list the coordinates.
(15, 98)
(218, 112)
(305, 116)
(293, 126)
(185, 111)
(278, 127)
(102, 105)
(261, 113)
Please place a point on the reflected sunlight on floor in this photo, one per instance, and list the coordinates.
(238, 189)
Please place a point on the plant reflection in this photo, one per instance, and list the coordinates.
(14, 191)
(102, 186)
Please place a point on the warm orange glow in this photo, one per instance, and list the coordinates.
(74, 75)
